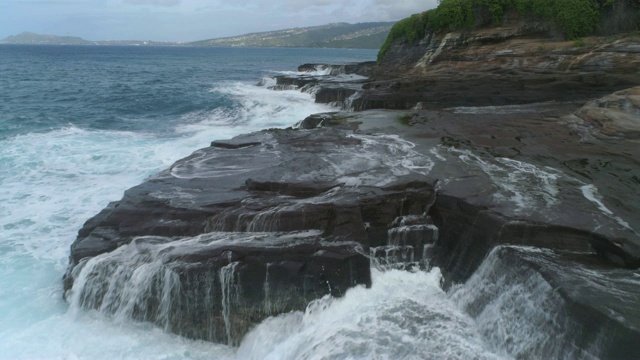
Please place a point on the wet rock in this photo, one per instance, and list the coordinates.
(362, 68)
(216, 286)
(407, 244)
(315, 121)
(296, 81)
(231, 144)
(283, 210)
(330, 84)
(514, 177)
(520, 174)
(334, 94)
(467, 233)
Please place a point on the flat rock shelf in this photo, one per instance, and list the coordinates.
(251, 227)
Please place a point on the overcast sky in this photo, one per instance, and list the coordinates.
(189, 20)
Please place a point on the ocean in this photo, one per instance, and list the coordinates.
(81, 124)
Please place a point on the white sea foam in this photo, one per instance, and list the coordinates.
(267, 82)
(319, 71)
(403, 316)
(52, 183)
(260, 108)
(520, 282)
(91, 336)
(501, 294)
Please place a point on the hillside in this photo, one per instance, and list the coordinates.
(337, 35)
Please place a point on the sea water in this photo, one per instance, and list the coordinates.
(81, 124)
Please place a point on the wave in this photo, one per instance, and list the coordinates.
(404, 315)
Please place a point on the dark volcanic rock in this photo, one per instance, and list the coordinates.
(342, 120)
(218, 285)
(362, 68)
(486, 89)
(298, 81)
(536, 224)
(307, 205)
(330, 84)
(334, 94)
(231, 144)
(520, 175)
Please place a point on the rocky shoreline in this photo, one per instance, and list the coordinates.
(497, 161)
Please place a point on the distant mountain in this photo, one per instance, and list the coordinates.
(338, 35)
(37, 39)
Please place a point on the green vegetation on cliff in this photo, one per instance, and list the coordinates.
(574, 18)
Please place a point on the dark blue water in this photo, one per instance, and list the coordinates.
(132, 88)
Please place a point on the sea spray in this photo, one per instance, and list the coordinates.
(131, 282)
(403, 315)
(517, 310)
(230, 295)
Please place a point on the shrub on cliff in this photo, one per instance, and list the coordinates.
(574, 18)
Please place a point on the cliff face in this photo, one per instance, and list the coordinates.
(519, 46)
(518, 62)
(440, 46)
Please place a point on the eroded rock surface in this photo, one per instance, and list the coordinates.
(218, 285)
(536, 221)
(272, 219)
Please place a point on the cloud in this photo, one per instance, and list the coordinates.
(154, 2)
